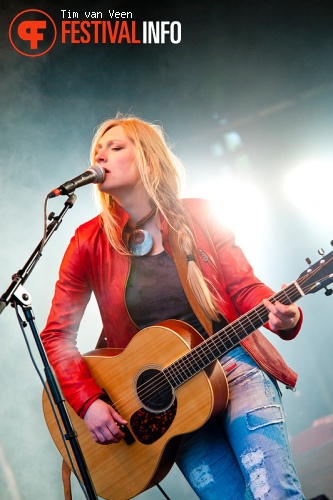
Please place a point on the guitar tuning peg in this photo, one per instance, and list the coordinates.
(308, 261)
(321, 251)
(328, 292)
(332, 243)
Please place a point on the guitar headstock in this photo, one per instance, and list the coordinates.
(319, 275)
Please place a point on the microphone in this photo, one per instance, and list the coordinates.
(95, 174)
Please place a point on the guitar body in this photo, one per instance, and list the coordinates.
(156, 421)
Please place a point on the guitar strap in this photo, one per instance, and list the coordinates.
(181, 261)
(66, 481)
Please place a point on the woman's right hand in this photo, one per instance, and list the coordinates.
(103, 423)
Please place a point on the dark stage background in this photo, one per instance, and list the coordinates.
(246, 97)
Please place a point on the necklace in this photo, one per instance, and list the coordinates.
(140, 242)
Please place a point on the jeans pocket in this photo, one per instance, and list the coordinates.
(265, 415)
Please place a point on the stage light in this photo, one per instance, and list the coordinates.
(309, 187)
(238, 203)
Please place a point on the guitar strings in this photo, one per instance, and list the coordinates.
(152, 382)
(154, 385)
(158, 382)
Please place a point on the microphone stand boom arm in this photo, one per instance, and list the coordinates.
(17, 295)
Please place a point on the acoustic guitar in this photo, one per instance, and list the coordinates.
(166, 383)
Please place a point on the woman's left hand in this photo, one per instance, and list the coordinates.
(282, 317)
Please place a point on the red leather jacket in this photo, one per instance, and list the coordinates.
(90, 264)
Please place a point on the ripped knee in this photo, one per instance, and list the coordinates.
(253, 462)
(201, 477)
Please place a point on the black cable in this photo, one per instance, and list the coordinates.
(162, 491)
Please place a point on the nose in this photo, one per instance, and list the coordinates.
(101, 156)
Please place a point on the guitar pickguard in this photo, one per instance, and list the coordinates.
(148, 426)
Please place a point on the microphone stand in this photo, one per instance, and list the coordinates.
(17, 295)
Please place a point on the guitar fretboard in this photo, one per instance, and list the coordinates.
(226, 339)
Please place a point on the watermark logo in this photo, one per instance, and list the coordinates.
(32, 33)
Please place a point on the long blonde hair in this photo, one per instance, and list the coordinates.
(161, 173)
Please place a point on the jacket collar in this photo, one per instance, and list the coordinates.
(123, 217)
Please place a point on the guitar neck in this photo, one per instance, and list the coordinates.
(226, 339)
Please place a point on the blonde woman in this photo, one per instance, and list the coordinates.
(151, 256)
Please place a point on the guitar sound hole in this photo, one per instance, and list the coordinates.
(154, 391)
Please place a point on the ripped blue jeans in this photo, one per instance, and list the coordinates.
(244, 453)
